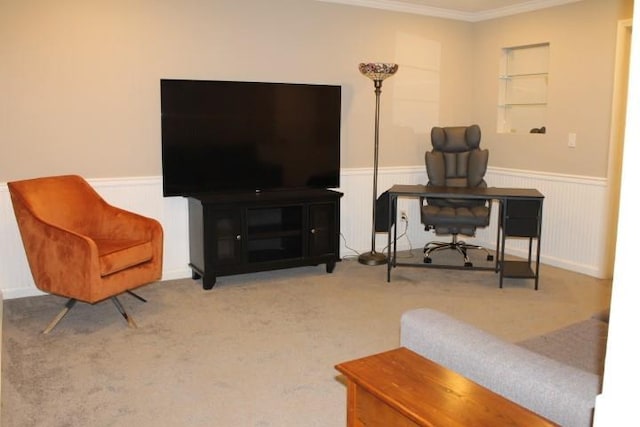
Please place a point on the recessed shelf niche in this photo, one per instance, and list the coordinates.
(523, 83)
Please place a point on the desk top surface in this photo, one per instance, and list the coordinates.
(430, 394)
(471, 193)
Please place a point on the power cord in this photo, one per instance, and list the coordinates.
(357, 254)
(405, 219)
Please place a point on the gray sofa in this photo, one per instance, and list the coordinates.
(547, 385)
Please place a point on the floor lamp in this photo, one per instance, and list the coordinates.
(377, 72)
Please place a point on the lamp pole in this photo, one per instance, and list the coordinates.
(377, 72)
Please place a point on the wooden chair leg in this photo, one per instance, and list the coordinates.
(60, 315)
(122, 311)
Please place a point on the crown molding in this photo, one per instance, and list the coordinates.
(401, 6)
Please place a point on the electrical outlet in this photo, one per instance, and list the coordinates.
(403, 216)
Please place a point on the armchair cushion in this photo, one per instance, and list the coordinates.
(117, 255)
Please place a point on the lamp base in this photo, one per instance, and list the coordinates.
(372, 258)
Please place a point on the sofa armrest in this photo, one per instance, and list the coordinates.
(559, 392)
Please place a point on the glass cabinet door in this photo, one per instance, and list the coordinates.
(321, 229)
(228, 231)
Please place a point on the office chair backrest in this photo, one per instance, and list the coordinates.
(456, 159)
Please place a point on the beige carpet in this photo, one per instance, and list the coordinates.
(257, 350)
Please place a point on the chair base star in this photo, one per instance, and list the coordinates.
(457, 245)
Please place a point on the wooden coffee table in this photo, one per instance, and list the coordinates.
(400, 388)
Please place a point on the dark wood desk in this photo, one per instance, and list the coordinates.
(520, 216)
(401, 388)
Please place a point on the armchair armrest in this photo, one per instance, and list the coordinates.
(57, 256)
(119, 223)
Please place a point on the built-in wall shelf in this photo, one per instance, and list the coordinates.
(524, 77)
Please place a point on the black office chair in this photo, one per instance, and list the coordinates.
(455, 161)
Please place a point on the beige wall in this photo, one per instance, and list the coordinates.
(79, 81)
(582, 38)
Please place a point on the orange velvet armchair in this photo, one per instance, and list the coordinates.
(80, 247)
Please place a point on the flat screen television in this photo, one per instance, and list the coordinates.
(229, 136)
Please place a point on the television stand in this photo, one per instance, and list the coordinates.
(234, 233)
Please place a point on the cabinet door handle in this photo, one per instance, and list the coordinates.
(313, 231)
(238, 237)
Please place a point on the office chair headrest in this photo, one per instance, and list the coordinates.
(455, 139)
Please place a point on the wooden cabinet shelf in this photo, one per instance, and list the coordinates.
(269, 232)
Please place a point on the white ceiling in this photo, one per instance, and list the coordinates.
(465, 10)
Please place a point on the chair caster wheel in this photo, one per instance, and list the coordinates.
(468, 264)
(489, 257)
(427, 260)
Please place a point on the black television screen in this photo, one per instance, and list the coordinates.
(220, 136)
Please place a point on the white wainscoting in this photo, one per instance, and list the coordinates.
(573, 237)
(574, 211)
(573, 219)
